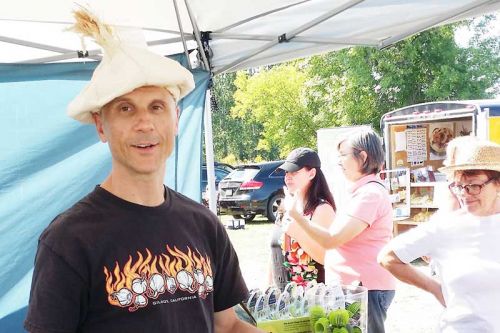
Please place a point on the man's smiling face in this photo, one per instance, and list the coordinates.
(140, 128)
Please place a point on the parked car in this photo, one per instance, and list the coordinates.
(221, 170)
(252, 189)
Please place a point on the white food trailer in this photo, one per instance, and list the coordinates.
(415, 140)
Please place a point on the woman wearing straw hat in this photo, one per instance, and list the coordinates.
(464, 244)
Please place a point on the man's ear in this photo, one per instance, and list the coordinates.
(177, 114)
(99, 126)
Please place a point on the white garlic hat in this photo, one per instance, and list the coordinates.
(123, 68)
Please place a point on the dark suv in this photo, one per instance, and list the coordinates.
(252, 189)
(221, 170)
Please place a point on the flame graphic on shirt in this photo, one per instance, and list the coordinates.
(150, 276)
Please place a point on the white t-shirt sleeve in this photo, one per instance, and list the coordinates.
(417, 242)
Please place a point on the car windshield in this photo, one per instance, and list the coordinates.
(219, 174)
(243, 174)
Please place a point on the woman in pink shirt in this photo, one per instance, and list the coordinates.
(361, 228)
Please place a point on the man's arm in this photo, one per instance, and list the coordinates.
(226, 321)
(58, 298)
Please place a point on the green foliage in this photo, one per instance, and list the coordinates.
(273, 99)
(265, 114)
(231, 136)
(360, 84)
(354, 308)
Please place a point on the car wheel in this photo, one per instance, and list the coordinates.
(246, 217)
(272, 206)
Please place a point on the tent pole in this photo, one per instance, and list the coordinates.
(299, 39)
(287, 36)
(322, 18)
(182, 34)
(430, 23)
(33, 45)
(196, 32)
(95, 54)
(234, 25)
(66, 53)
(209, 152)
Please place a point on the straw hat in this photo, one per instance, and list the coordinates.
(124, 67)
(469, 153)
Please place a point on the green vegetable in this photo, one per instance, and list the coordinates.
(340, 330)
(321, 325)
(339, 317)
(356, 329)
(354, 308)
(316, 312)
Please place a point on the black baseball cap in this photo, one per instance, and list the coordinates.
(300, 158)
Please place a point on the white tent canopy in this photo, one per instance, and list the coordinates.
(242, 34)
(235, 34)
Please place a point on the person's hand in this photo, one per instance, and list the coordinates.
(435, 289)
(291, 204)
(289, 201)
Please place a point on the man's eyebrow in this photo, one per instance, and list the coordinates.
(121, 99)
(159, 101)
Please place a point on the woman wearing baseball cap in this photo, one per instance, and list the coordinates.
(302, 261)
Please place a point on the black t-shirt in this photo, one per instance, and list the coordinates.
(109, 265)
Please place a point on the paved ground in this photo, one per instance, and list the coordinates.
(412, 310)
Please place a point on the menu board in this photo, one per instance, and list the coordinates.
(416, 144)
(424, 144)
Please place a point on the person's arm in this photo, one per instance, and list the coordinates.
(341, 231)
(58, 298)
(226, 321)
(323, 216)
(409, 274)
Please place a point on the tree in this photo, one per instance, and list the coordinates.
(281, 107)
(231, 135)
(273, 98)
(360, 84)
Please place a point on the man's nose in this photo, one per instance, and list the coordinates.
(144, 120)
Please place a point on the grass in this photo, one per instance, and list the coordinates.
(254, 250)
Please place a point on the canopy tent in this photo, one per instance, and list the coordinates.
(238, 34)
(232, 34)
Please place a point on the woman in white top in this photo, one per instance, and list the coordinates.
(464, 244)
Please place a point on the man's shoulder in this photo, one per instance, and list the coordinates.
(191, 210)
(67, 223)
(183, 202)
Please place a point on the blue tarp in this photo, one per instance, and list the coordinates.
(49, 161)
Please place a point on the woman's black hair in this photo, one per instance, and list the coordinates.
(317, 193)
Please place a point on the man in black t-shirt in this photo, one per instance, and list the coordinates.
(134, 255)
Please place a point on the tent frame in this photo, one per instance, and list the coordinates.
(202, 39)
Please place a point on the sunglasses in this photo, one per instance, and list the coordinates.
(472, 189)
